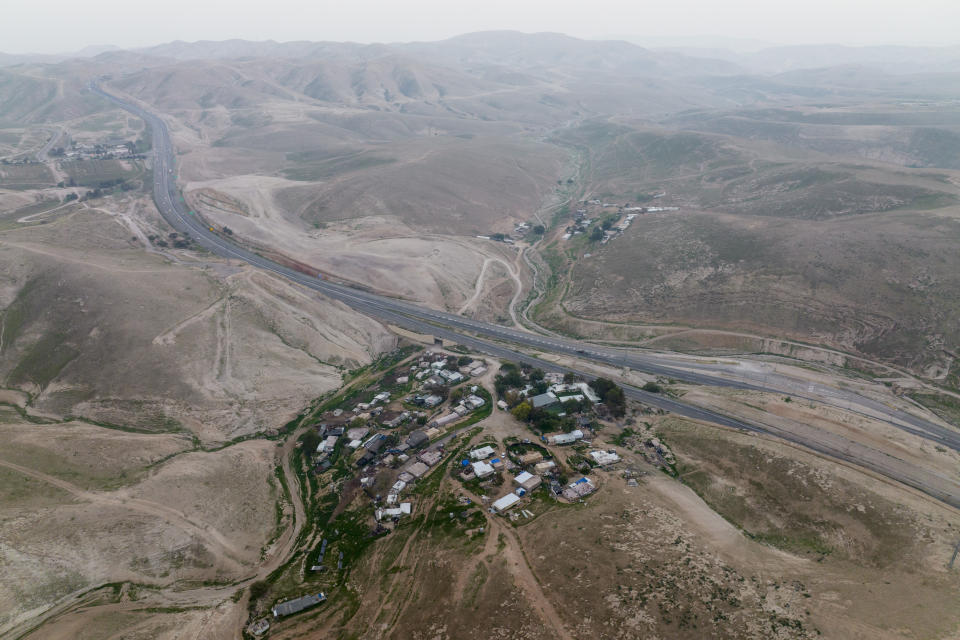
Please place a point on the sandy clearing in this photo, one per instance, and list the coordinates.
(13, 397)
(718, 534)
(122, 498)
(169, 337)
(519, 568)
(66, 255)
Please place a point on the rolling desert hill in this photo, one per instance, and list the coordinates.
(95, 327)
(166, 413)
(795, 230)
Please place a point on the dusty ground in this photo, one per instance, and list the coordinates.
(771, 240)
(230, 351)
(194, 517)
(382, 252)
(658, 560)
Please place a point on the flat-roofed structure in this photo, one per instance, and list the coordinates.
(297, 604)
(506, 502)
(527, 480)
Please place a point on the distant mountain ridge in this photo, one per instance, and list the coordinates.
(627, 54)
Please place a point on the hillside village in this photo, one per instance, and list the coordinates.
(612, 219)
(510, 438)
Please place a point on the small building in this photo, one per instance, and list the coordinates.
(478, 371)
(417, 469)
(451, 376)
(502, 405)
(366, 459)
(497, 463)
(527, 480)
(531, 457)
(355, 444)
(474, 402)
(383, 396)
(357, 433)
(431, 400)
(297, 604)
(417, 438)
(404, 509)
(578, 489)
(544, 467)
(398, 486)
(395, 421)
(259, 627)
(564, 438)
(328, 444)
(481, 469)
(506, 502)
(403, 379)
(543, 400)
(605, 458)
(375, 443)
(588, 391)
(431, 457)
(445, 420)
(482, 453)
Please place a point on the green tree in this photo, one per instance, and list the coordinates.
(259, 589)
(616, 402)
(597, 234)
(309, 441)
(539, 229)
(612, 395)
(602, 385)
(522, 411)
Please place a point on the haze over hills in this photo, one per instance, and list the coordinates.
(755, 251)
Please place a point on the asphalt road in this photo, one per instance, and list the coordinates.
(451, 327)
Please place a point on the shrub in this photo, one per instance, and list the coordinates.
(258, 589)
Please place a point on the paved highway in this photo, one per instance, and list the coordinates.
(451, 326)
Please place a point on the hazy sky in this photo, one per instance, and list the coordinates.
(48, 26)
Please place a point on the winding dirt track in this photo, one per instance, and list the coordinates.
(520, 569)
(231, 614)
